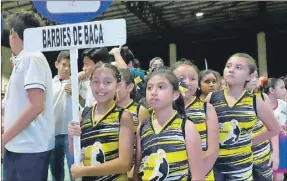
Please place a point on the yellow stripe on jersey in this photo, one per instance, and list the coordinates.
(133, 109)
(236, 122)
(164, 155)
(196, 112)
(100, 140)
(261, 151)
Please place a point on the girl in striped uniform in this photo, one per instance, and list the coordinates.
(208, 82)
(262, 170)
(237, 111)
(201, 114)
(124, 100)
(106, 131)
(275, 89)
(168, 144)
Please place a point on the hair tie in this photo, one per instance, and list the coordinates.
(137, 80)
(262, 81)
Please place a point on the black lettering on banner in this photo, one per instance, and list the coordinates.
(44, 38)
(80, 35)
(95, 36)
(101, 36)
(58, 39)
(69, 37)
(91, 35)
(53, 38)
(48, 38)
(64, 36)
(75, 35)
(86, 34)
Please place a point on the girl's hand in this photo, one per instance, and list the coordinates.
(77, 170)
(74, 128)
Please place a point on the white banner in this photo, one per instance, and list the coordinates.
(78, 35)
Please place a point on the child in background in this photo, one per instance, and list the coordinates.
(275, 89)
(124, 100)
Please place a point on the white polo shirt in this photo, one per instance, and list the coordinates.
(31, 70)
(62, 106)
(86, 92)
(280, 112)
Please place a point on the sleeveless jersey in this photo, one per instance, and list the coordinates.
(196, 112)
(235, 134)
(164, 155)
(100, 140)
(133, 108)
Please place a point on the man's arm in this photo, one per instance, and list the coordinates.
(34, 108)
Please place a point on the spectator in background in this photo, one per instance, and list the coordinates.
(136, 64)
(91, 57)
(155, 63)
(62, 100)
(29, 119)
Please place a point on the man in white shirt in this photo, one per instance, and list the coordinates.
(62, 101)
(91, 58)
(29, 121)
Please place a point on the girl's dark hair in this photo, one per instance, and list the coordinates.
(178, 104)
(208, 71)
(270, 83)
(285, 81)
(97, 54)
(127, 77)
(109, 66)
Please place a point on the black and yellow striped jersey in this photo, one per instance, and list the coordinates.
(196, 112)
(133, 108)
(100, 140)
(236, 123)
(164, 155)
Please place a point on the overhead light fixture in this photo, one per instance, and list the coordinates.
(199, 14)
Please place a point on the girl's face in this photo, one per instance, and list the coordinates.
(279, 91)
(159, 92)
(236, 71)
(253, 83)
(208, 84)
(189, 76)
(124, 90)
(103, 84)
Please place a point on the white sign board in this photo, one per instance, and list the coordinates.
(73, 6)
(78, 35)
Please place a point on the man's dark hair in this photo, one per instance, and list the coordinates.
(63, 55)
(126, 54)
(136, 63)
(23, 20)
(97, 54)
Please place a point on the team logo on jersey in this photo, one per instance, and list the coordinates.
(94, 155)
(154, 167)
(229, 132)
